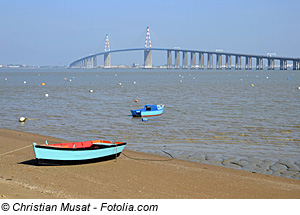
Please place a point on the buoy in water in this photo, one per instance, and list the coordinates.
(43, 84)
(22, 119)
(25, 82)
(252, 85)
(47, 95)
(136, 100)
(91, 91)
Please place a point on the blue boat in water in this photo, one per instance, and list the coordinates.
(148, 110)
(77, 152)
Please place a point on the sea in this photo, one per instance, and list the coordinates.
(241, 119)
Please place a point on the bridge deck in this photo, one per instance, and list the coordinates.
(296, 61)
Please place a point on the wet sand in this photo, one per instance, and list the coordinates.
(128, 178)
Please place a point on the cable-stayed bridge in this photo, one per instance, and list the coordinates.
(223, 60)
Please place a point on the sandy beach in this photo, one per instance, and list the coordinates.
(128, 178)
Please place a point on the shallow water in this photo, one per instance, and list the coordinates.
(240, 119)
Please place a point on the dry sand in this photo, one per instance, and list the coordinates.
(128, 178)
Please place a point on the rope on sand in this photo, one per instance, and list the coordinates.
(15, 150)
(171, 157)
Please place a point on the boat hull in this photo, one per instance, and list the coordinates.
(146, 113)
(97, 152)
(158, 110)
(75, 162)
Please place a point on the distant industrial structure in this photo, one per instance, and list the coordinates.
(202, 56)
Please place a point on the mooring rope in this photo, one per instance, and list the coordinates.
(15, 150)
(171, 157)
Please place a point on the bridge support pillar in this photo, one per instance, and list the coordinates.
(219, 61)
(250, 63)
(228, 62)
(285, 65)
(294, 64)
(177, 60)
(238, 64)
(184, 60)
(91, 63)
(107, 60)
(281, 64)
(298, 65)
(201, 60)
(95, 62)
(247, 63)
(193, 60)
(169, 59)
(209, 61)
(147, 58)
(271, 64)
(259, 63)
(87, 63)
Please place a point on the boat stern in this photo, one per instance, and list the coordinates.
(136, 113)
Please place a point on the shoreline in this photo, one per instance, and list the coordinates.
(128, 178)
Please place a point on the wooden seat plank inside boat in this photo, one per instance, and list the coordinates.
(84, 144)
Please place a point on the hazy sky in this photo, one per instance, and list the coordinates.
(57, 32)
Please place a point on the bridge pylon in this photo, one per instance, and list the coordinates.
(148, 51)
(107, 59)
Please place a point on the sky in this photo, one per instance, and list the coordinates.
(57, 32)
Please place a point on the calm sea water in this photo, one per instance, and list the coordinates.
(247, 120)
